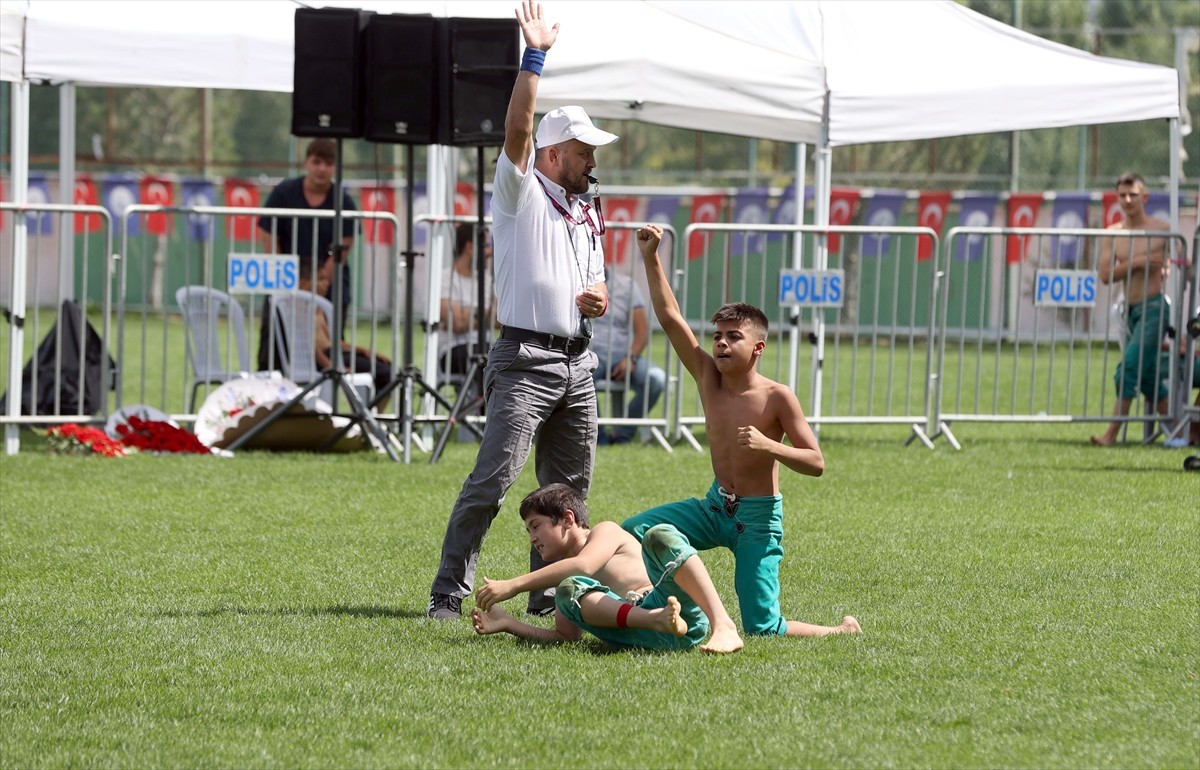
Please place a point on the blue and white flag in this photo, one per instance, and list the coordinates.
(749, 208)
(41, 223)
(199, 192)
(1070, 212)
(121, 192)
(1159, 205)
(976, 210)
(883, 210)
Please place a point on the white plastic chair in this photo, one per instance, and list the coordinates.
(292, 327)
(211, 356)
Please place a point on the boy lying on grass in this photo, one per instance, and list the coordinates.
(655, 594)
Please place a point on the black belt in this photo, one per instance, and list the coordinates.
(571, 346)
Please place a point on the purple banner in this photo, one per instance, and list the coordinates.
(1070, 212)
(421, 230)
(749, 208)
(38, 194)
(1159, 205)
(121, 192)
(199, 192)
(883, 210)
(661, 210)
(976, 210)
(785, 209)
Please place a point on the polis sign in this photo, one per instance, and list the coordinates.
(811, 288)
(263, 273)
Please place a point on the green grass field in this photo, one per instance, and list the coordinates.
(1028, 602)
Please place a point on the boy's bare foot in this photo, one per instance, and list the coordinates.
(668, 620)
(1102, 440)
(724, 640)
(849, 626)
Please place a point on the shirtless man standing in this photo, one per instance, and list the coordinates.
(747, 416)
(1140, 263)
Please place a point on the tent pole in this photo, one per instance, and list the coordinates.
(822, 183)
(19, 152)
(66, 193)
(797, 264)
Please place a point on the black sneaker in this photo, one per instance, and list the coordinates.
(444, 607)
(539, 612)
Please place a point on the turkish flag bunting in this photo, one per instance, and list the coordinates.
(705, 208)
(156, 191)
(1022, 212)
(932, 208)
(464, 200)
(379, 230)
(618, 242)
(1112, 208)
(240, 193)
(86, 195)
(843, 202)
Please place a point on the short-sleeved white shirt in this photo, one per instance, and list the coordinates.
(542, 261)
(462, 290)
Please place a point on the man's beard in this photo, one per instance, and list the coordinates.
(576, 186)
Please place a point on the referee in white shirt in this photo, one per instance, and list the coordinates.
(549, 274)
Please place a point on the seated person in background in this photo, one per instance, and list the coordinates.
(619, 339)
(460, 300)
(654, 595)
(357, 359)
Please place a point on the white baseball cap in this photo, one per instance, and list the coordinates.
(572, 122)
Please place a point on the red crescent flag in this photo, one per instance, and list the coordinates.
(464, 200)
(1022, 212)
(618, 242)
(156, 191)
(932, 208)
(378, 230)
(240, 193)
(1112, 209)
(85, 195)
(843, 202)
(705, 208)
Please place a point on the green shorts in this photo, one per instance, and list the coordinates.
(751, 527)
(663, 550)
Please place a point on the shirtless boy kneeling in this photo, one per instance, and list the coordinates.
(747, 416)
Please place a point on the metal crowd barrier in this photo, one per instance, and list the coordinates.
(440, 240)
(866, 311)
(969, 336)
(33, 291)
(1026, 336)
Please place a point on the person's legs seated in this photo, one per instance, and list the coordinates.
(647, 383)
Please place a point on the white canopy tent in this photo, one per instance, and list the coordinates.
(808, 71)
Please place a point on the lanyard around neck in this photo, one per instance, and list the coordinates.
(586, 209)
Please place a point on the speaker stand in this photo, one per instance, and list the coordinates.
(335, 373)
(470, 395)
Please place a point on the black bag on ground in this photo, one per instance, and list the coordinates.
(64, 385)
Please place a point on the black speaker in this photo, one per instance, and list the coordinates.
(480, 58)
(327, 81)
(401, 100)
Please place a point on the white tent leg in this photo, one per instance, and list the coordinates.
(797, 264)
(20, 194)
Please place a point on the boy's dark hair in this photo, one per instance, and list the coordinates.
(740, 312)
(464, 234)
(1130, 178)
(323, 148)
(552, 500)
